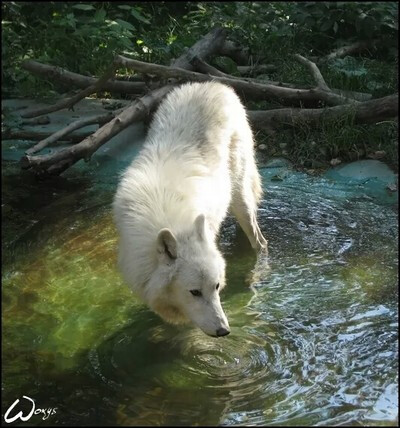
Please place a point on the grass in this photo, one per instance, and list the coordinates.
(313, 149)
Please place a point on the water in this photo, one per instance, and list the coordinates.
(313, 341)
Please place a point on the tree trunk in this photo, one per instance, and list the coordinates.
(367, 112)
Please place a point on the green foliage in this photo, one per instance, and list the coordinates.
(84, 36)
(348, 66)
(346, 21)
(319, 25)
(78, 36)
(361, 74)
(309, 147)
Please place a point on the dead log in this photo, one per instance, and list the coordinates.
(253, 70)
(350, 49)
(250, 90)
(70, 102)
(209, 45)
(69, 78)
(58, 162)
(42, 120)
(314, 70)
(77, 124)
(367, 112)
(12, 134)
(182, 69)
(358, 96)
(206, 68)
(62, 159)
(234, 51)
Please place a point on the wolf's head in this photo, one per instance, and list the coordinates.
(189, 277)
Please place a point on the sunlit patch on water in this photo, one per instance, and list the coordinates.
(314, 333)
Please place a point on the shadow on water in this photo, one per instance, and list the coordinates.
(314, 336)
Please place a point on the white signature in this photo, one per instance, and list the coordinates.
(45, 412)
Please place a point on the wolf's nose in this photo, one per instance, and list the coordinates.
(222, 332)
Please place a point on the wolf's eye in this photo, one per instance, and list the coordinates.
(217, 286)
(196, 293)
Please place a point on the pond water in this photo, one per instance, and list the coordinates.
(313, 341)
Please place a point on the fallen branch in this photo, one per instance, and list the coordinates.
(358, 96)
(350, 50)
(84, 150)
(206, 68)
(344, 104)
(70, 102)
(366, 112)
(209, 45)
(252, 70)
(58, 162)
(314, 70)
(69, 78)
(100, 119)
(234, 51)
(11, 134)
(252, 90)
(42, 120)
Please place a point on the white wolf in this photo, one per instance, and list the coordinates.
(196, 163)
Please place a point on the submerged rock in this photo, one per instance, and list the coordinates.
(363, 169)
(374, 177)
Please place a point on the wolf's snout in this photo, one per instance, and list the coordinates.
(222, 332)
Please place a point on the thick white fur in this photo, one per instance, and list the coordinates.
(196, 163)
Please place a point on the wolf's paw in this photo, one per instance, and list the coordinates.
(261, 269)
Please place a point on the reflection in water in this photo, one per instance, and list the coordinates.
(314, 335)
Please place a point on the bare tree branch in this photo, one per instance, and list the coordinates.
(69, 78)
(100, 119)
(11, 134)
(251, 90)
(206, 68)
(344, 104)
(366, 112)
(351, 49)
(83, 150)
(70, 102)
(58, 162)
(252, 70)
(233, 50)
(41, 120)
(205, 47)
(314, 70)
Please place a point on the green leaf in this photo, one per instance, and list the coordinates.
(100, 15)
(138, 16)
(124, 7)
(335, 27)
(125, 24)
(326, 25)
(83, 6)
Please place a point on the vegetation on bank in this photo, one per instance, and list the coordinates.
(84, 37)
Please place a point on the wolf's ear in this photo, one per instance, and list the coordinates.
(166, 243)
(199, 226)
